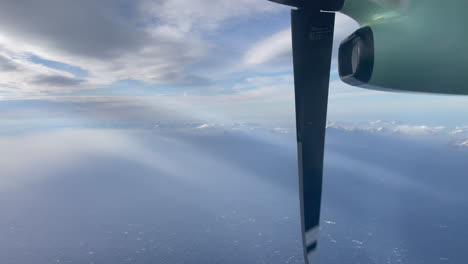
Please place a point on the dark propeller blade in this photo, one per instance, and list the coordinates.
(312, 37)
(312, 34)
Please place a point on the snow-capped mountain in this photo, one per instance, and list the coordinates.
(390, 127)
(456, 136)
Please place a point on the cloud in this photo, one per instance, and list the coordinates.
(150, 41)
(96, 188)
(6, 65)
(344, 26)
(20, 77)
(341, 90)
(86, 28)
(275, 47)
(156, 42)
(262, 81)
(131, 177)
(57, 80)
(278, 47)
(188, 15)
(455, 136)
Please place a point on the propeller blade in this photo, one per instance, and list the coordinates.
(312, 34)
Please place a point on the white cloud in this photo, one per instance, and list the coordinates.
(151, 41)
(262, 81)
(344, 26)
(22, 77)
(418, 130)
(273, 47)
(279, 45)
(188, 15)
(395, 127)
(339, 90)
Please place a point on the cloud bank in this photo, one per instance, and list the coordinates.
(150, 41)
(125, 196)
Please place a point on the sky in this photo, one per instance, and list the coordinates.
(134, 131)
(231, 64)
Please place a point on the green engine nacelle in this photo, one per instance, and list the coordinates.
(407, 45)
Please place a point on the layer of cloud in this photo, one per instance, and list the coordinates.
(20, 77)
(6, 65)
(277, 48)
(150, 41)
(204, 14)
(57, 80)
(113, 195)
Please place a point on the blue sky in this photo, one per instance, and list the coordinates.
(232, 63)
